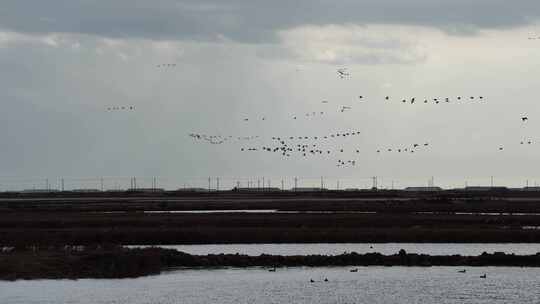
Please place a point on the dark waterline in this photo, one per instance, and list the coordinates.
(335, 249)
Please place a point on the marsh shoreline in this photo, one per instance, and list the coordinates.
(76, 262)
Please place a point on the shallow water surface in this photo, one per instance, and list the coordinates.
(291, 285)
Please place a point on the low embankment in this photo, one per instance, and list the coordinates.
(119, 262)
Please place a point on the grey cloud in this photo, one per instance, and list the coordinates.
(253, 20)
(364, 56)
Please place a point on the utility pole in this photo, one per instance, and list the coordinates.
(263, 184)
(431, 182)
(322, 183)
(217, 184)
(209, 180)
(101, 184)
(282, 185)
(258, 184)
(295, 184)
(62, 180)
(47, 184)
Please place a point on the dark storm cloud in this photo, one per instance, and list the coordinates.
(253, 20)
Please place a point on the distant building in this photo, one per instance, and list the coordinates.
(308, 189)
(485, 188)
(531, 189)
(267, 189)
(194, 190)
(86, 190)
(423, 189)
(40, 191)
(147, 190)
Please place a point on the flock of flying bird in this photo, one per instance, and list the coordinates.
(219, 139)
(342, 73)
(166, 65)
(524, 119)
(306, 146)
(295, 117)
(437, 100)
(121, 108)
(287, 147)
(412, 100)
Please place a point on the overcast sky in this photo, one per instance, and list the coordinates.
(63, 63)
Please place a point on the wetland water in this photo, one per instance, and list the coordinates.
(291, 285)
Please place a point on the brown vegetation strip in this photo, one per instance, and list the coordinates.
(30, 228)
(399, 216)
(363, 201)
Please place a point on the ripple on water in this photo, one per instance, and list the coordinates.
(291, 285)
